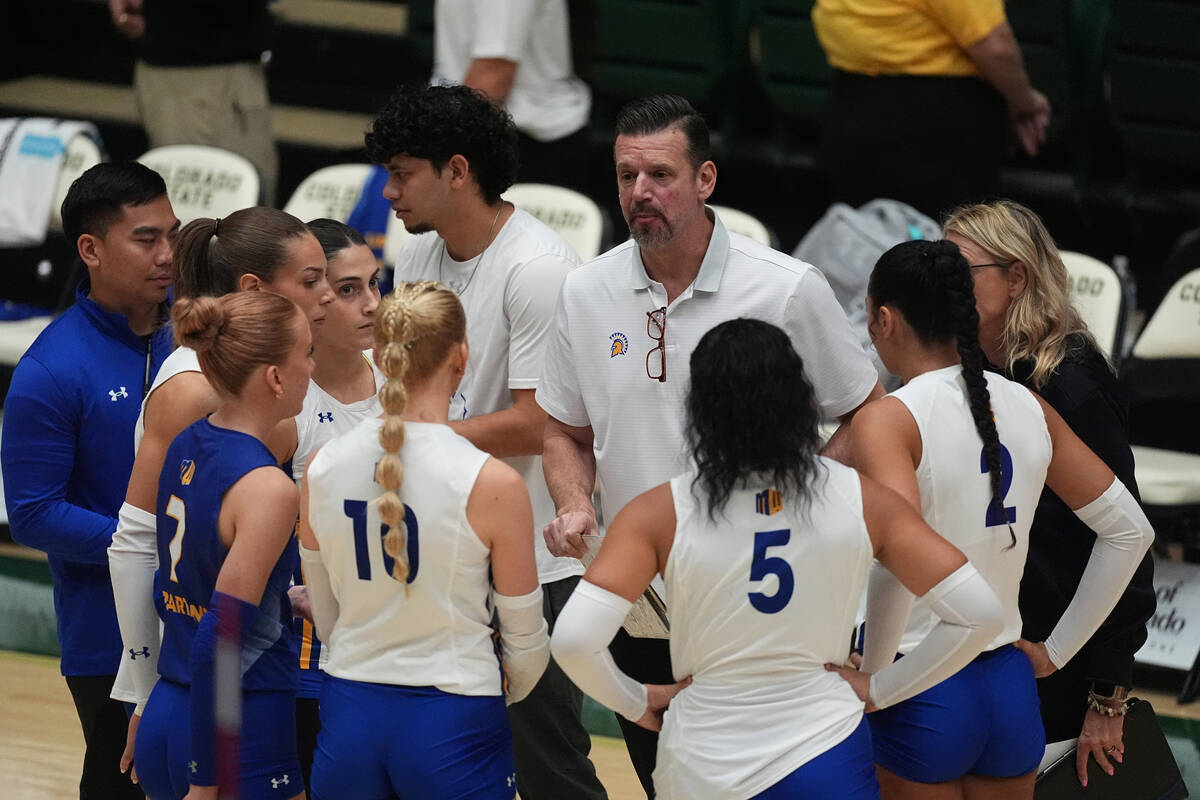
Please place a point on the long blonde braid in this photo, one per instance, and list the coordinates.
(415, 327)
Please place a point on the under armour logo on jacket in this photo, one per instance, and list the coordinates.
(277, 782)
(144, 652)
(324, 416)
(116, 394)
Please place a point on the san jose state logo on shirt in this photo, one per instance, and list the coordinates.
(768, 502)
(187, 471)
(618, 345)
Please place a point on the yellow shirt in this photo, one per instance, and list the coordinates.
(909, 37)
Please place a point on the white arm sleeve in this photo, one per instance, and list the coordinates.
(582, 634)
(524, 641)
(1123, 534)
(320, 592)
(888, 607)
(132, 560)
(970, 617)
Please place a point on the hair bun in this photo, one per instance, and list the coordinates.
(198, 320)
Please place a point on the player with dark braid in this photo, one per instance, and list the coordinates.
(972, 451)
(960, 303)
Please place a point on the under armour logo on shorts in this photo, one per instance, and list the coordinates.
(277, 782)
(133, 654)
(324, 416)
(116, 394)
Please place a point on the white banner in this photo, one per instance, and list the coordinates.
(1174, 630)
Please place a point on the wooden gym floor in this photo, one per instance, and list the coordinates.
(41, 746)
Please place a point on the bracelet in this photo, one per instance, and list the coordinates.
(1108, 706)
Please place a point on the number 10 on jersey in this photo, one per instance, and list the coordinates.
(356, 510)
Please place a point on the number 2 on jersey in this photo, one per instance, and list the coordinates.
(763, 565)
(995, 514)
(356, 510)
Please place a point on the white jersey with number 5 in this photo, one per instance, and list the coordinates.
(760, 599)
(956, 492)
(437, 632)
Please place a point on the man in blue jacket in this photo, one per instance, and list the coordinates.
(68, 433)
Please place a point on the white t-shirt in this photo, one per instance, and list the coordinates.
(595, 365)
(323, 417)
(956, 494)
(508, 293)
(761, 703)
(438, 632)
(547, 101)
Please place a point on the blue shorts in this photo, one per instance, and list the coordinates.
(379, 741)
(310, 684)
(846, 770)
(984, 720)
(268, 766)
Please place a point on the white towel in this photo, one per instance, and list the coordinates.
(31, 154)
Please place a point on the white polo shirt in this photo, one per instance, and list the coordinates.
(595, 366)
(509, 293)
(547, 101)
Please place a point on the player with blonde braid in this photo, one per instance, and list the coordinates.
(398, 563)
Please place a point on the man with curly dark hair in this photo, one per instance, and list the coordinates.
(450, 154)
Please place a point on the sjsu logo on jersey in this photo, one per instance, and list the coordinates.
(324, 416)
(768, 502)
(619, 345)
(187, 470)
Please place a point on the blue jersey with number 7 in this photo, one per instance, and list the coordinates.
(201, 465)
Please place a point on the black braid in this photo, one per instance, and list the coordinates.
(931, 285)
(955, 278)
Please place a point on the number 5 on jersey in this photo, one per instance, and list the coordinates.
(356, 510)
(763, 565)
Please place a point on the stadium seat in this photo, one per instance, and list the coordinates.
(204, 181)
(790, 64)
(1153, 76)
(573, 215)
(745, 224)
(649, 46)
(1163, 375)
(1096, 294)
(331, 192)
(82, 154)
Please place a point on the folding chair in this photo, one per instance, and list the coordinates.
(330, 192)
(204, 181)
(574, 216)
(1163, 374)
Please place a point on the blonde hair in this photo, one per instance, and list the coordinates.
(1041, 319)
(415, 328)
(234, 334)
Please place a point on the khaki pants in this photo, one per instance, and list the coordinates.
(222, 106)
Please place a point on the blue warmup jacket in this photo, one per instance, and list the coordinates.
(67, 451)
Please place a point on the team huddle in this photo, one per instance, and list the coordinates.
(441, 448)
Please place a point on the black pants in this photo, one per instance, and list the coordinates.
(648, 661)
(550, 744)
(562, 162)
(105, 724)
(932, 142)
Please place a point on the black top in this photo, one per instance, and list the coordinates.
(194, 33)
(1085, 392)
